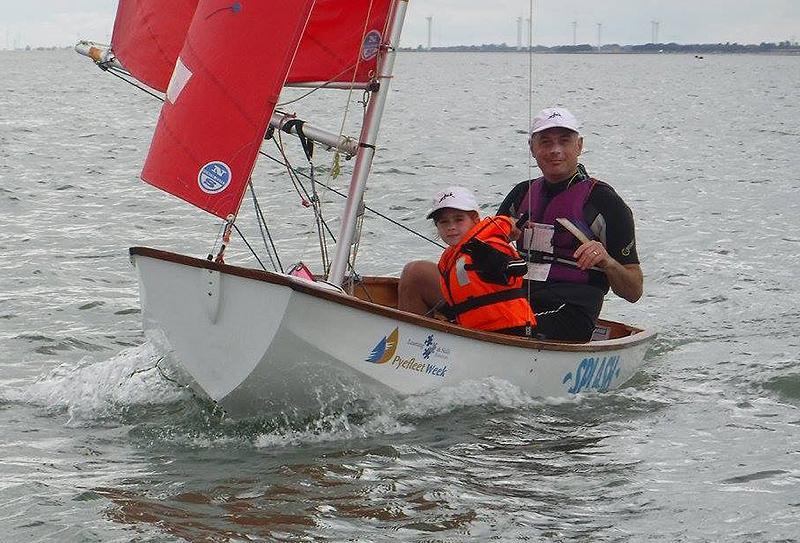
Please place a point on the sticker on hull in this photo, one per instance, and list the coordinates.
(384, 350)
(426, 357)
(595, 373)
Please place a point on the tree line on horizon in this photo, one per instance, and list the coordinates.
(728, 47)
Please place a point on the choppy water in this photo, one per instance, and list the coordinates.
(701, 446)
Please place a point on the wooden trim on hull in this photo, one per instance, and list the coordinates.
(623, 335)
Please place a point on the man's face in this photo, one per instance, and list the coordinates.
(556, 151)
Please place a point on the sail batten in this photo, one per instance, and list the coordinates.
(213, 122)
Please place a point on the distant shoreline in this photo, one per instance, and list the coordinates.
(782, 48)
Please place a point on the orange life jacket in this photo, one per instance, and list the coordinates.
(476, 303)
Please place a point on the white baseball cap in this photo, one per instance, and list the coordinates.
(552, 117)
(454, 198)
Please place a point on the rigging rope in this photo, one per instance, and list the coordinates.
(530, 84)
(323, 245)
(528, 329)
(262, 226)
(307, 200)
(106, 67)
(244, 239)
(226, 239)
(323, 85)
(373, 211)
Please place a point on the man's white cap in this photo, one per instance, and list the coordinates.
(552, 117)
(454, 198)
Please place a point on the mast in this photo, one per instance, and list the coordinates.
(366, 152)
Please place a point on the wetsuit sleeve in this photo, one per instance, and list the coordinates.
(620, 231)
(509, 205)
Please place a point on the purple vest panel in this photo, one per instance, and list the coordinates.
(568, 204)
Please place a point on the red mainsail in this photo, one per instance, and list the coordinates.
(340, 35)
(226, 82)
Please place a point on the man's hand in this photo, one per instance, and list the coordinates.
(591, 253)
(626, 280)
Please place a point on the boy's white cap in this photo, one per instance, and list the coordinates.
(455, 198)
(552, 117)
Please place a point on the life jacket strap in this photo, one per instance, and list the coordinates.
(541, 257)
(487, 299)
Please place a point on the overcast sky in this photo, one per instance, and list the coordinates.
(455, 22)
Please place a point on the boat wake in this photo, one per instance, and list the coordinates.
(142, 388)
(94, 391)
(401, 416)
(491, 392)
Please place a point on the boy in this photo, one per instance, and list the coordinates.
(480, 272)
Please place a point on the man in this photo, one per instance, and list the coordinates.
(568, 278)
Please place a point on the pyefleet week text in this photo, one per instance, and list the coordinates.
(412, 364)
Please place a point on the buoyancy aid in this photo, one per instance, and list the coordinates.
(544, 210)
(474, 302)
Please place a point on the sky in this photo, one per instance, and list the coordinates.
(43, 23)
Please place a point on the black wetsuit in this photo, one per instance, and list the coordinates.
(569, 310)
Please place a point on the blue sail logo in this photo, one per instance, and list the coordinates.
(214, 177)
(371, 45)
(385, 349)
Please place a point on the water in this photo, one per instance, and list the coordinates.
(99, 445)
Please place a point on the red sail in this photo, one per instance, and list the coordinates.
(224, 88)
(149, 34)
(341, 35)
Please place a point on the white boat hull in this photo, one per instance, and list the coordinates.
(259, 343)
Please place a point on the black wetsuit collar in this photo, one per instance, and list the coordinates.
(552, 189)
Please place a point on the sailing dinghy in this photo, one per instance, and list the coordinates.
(261, 342)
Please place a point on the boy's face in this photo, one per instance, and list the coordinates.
(452, 224)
